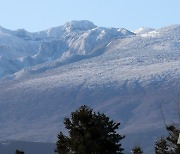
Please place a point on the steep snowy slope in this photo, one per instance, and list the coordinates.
(75, 38)
(127, 76)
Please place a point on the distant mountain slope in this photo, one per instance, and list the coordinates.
(123, 74)
(76, 38)
(10, 147)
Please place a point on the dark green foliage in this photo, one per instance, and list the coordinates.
(173, 138)
(169, 145)
(137, 150)
(90, 133)
(61, 144)
(161, 146)
(19, 152)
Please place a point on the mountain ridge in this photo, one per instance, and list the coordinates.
(63, 42)
(115, 71)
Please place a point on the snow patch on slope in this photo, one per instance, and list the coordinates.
(143, 30)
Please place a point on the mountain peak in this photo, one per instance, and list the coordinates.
(143, 30)
(81, 25)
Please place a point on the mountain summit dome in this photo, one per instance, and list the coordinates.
(82, 25)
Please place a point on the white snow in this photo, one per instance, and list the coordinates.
(143, 30)
(113, 70)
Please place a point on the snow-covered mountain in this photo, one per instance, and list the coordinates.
(76, 38)
(48, 74)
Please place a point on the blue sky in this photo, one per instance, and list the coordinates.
(35, 15)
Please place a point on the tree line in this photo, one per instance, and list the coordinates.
(95, 133)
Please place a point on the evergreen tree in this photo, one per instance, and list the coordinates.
(171, 141)
(61, 144)
(169, 145)
(137, 150)
(19, 152)
(173, 138)
(90, 133)
(161, 146)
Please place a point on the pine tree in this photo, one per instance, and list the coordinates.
(173, 138)
(137, 150)
(161, 146)
(19, 152)
(90, 133)
(61, 144)
(171, 141)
